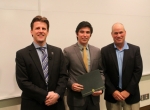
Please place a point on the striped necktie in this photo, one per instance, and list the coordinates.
(85, 58)
(44, 63)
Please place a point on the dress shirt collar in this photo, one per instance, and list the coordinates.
(124, 47)
(81, 46)
(37, 46)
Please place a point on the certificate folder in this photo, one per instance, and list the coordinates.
(91, 82)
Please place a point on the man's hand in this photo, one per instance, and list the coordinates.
(97, 93)
(77, 87)
(51, 98)
(125, 94)
(117, 95)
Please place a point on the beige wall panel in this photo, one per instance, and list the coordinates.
(19, 4)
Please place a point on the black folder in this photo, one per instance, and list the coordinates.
(91, 82)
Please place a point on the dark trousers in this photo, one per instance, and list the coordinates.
(87, 106)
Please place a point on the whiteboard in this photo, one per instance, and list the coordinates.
(64, 16)
(15, 18)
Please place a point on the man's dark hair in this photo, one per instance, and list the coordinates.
(82, 25)
(41, 19)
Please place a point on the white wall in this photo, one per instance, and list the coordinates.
(16, 15)
(102, 14)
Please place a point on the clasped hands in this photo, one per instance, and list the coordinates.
(51, 98)
(78, 87)
(120, 96)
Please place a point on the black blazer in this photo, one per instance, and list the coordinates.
(30, 78)
(131, 72)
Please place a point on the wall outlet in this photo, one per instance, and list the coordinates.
(141, 98)
(144, 97)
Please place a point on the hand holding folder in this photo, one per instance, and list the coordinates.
(91, 82)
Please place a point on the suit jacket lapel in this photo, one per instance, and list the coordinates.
(51, 55)
(91, 51)
(77, 49)
(34, 55)
(114, 56)
(125, 58)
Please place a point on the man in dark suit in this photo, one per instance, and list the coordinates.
(40, 71)
(122, 64)
(76, 67)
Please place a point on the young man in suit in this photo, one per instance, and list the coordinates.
(122, 64)
(40, 71)
(76, 67)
